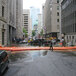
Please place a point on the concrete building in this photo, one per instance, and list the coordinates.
(3, 22)
(43, 19)
(30, 29)
(39, 23)
(69, 20)
(19, 11)
(14, 20)
(52, 18)
(27, 22)
(11, 20)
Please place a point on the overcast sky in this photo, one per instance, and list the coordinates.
(36, 3)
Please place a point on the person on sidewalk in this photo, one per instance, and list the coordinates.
(51, 46)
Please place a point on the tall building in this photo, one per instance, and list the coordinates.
(69, 20)
(27, 23)
(19, 11)
(14, 20)
(11, 20)
(52, 18)
(39, 23)
(34, 15)
(3, 22)
(43, 19)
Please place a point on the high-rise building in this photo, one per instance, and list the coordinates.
(10, 20)
(39, 23)
(34, 15)
(3, 22)
(69, 20)
(19, 11)
(14, 20)
(43, 19)
(27, 23)
(52, 18)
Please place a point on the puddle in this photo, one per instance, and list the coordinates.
(36, 54)
(18, 56)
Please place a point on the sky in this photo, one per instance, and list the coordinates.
(36, 3)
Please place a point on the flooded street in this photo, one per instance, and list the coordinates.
(41, 63)
(24, 56)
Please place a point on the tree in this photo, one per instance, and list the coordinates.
(25, 32)
(33, 33)
(41, 33)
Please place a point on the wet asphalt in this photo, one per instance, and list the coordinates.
(41, 63)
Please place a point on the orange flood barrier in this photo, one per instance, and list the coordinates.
(35, 48)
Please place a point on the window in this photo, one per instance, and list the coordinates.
(57, 13)
(57, 1)
(72, 37)
(57, 7)
(57, 26)
(67, 37)
(57, 20)
(2, 11)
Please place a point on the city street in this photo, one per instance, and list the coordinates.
(42, 63)
(37, 37)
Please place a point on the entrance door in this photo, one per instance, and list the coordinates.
(2, 38)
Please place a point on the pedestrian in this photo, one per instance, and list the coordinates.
(51, 46)
(63, 43)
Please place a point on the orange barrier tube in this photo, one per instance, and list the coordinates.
(35, 48)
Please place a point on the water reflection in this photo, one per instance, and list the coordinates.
(18, 56)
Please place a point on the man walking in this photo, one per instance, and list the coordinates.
(51, 46)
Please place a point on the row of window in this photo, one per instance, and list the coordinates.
(68, 2)
(70, 37)
(25, 19)
(69, 28)
(2, 11)
(25, 23)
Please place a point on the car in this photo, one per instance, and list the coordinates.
(3, 61)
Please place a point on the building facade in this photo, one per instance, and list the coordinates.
(19, 24)
(27, 22)
(69, 20)
(34, 15)
(39, 23)
(10, 20)
(43, 19)
(3, 22)
(52, 18)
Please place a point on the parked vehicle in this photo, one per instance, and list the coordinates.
(37, 42)
(3, 61)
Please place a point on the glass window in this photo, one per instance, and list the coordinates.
(57, 1)
(57, 13)
(57, 20)
(2, 11)
(72, 37)
(57, 26)
(57, 7)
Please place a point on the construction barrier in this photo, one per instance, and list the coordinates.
(35, 48)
